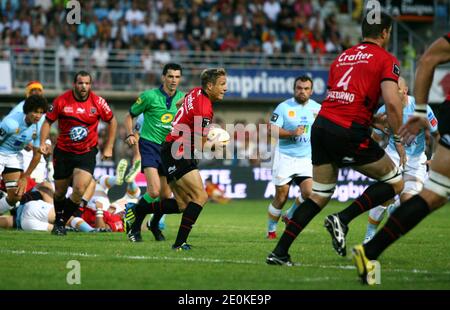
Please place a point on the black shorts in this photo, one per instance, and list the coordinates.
(444, 124)
(174, 169)
(333, 144)
(65, 162)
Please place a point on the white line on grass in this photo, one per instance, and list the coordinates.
(204, 260)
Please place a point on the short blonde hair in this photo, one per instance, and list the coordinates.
(211, 75)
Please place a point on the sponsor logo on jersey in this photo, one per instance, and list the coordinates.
(68, 110)
(357, 57)
(78, 133)
(2, 132)
(166, 118)
(274, 117)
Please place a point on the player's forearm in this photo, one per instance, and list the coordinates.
(128, 122)
(395, 118)
(438, 53)
(112, 129)
(45, 131)
(282, 133)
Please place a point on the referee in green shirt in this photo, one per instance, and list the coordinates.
(159, 108)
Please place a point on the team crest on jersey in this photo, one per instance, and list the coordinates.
(166, 118)
(396, 70)
(93, 110)
(34, 136)
(206, 122)
(50, 107)
(274, 117)
(291, 113)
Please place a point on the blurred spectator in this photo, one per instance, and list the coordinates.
(87, 29)
(303, 6)
(100, 58)
(161, 56)
(44, 4)
(36, 41)
(272, 8)
(147, 64)
(115, 14)
(134, 13)
(67, 54)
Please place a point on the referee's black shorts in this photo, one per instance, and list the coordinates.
(333, 144)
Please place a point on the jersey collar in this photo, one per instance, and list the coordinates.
(168, 98)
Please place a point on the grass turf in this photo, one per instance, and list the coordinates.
(229, 253)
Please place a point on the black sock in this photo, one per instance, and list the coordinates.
(154, 223)
(69, 209)
(166, 206)
(188, 219)
(59, 212)
(408, 215)
(373, 196)
(301, 217)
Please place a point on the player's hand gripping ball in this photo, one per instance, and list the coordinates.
(218, 136)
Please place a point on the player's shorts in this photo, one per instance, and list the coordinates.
(286, 168)
(415, 166)
(444, 124)
(11, 162)
(150, 155)
(40, 172)
(174, 169)
(65, 162)
(344, 147)
(34, 215)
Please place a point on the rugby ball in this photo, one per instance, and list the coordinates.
(218, 135)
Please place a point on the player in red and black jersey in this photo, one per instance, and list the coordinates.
(437, 188)
(341, 136)
(78, 112)
(189, 131)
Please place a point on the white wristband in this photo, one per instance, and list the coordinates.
(421, 110)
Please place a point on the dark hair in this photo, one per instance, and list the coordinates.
(303, 78)
(171, 66)
(82, 73)
(35, 102)
(211, 75)
(374, 30)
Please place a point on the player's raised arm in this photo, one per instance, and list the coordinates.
(112, 128)
(438, 53)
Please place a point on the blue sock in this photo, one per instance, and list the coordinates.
(162, 222)
(291, 210)
(272, 225)
(85, 227)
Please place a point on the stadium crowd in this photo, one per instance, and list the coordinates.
(301, 26)
(140, 35)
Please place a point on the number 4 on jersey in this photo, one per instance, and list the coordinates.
(345, 80)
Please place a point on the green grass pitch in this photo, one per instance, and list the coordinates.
(229, 253)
